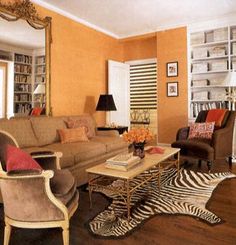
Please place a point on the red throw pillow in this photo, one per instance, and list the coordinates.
(16, 159)
(201, 130)
(217, 116)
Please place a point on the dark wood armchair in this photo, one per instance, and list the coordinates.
(219, 147)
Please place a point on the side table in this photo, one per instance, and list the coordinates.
(120, 129)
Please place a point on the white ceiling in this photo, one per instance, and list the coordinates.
(123, 18)
(21, 34)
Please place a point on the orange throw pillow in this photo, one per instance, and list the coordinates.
(73, 135)
(217, 116)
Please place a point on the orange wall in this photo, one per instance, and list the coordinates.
(139, 48)
(78, 66)
(172, 111)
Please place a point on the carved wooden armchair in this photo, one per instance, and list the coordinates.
(36, 199)
(219, 147)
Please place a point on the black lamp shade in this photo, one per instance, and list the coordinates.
(106, 103)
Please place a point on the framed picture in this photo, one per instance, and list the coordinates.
(172, 89)
(172, 69)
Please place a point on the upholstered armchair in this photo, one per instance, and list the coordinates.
(36, 199)
(209, 150)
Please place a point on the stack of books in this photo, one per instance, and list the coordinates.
(122, 162)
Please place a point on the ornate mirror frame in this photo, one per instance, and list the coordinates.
(24, 9)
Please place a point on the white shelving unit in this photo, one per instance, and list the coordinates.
(212, 56)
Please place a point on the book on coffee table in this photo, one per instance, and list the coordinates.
(122, 162)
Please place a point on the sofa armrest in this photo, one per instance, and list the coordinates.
(182, 133)
(110, 133)
(222, 141)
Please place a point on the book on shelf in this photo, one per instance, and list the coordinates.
(122, 162)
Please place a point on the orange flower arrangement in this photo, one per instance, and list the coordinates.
(138, 135)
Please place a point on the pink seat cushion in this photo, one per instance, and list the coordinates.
(16, 159)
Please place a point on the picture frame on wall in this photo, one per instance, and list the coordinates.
(172, 89)
(172, 69)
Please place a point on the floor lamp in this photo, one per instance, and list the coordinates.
(230, 81)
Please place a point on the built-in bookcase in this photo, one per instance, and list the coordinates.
(212, 56)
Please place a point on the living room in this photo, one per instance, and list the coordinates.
(79, 74)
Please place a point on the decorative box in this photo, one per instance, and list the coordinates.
(200, 67)
(216, 81)
(217, 95)
(234, 33)
(200, 53)
(217, 51)
(234, 65)
(220, 34)
(199, 83)
(200, 95)
(233, 48)
(219, 65)
(197, 38)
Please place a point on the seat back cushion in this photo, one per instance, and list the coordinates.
(217, 116)
(17, 159)
(86, 121)
(45, 129)
(21, 130)
(201, 130)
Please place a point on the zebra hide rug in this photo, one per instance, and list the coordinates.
(186, 193)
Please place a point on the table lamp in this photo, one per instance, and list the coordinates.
(106, 103)
(40, 89)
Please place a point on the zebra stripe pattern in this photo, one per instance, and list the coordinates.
(186, 193)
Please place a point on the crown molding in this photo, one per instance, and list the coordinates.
(73, 17)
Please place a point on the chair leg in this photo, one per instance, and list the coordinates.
(7, 234)
(199, 163)
(65, 235)
(209, 164)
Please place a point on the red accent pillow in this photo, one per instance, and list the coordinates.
(217, 116)
(16, 159)
(36, 111)
(201, 130)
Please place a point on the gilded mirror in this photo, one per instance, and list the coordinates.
(25, 48)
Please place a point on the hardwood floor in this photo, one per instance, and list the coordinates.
(162, 229)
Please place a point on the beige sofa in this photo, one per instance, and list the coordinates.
(40, 133)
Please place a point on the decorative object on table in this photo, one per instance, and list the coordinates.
(106, 103)
(155, 150)
(138, 137)
(230, 81)
(172, 89)
(172, 69)
(178, 195)
(122, 162)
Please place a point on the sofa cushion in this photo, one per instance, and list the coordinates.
(201, 130)
(45, 129)
(86, 121)
(21, 130)
(17, 159)
(76, 152)
(63, 185)
(217, 116)
(111, 143)
(70, 135)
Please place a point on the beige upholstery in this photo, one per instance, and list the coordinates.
(37, 199)
(40, 133)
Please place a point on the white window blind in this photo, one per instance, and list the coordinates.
(143, 86)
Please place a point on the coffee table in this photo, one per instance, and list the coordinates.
(99, 174)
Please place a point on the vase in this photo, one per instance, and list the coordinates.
(139, 150)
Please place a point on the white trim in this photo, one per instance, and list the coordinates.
(73, 17)
(137, 62)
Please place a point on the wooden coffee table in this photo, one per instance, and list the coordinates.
(99, 174)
